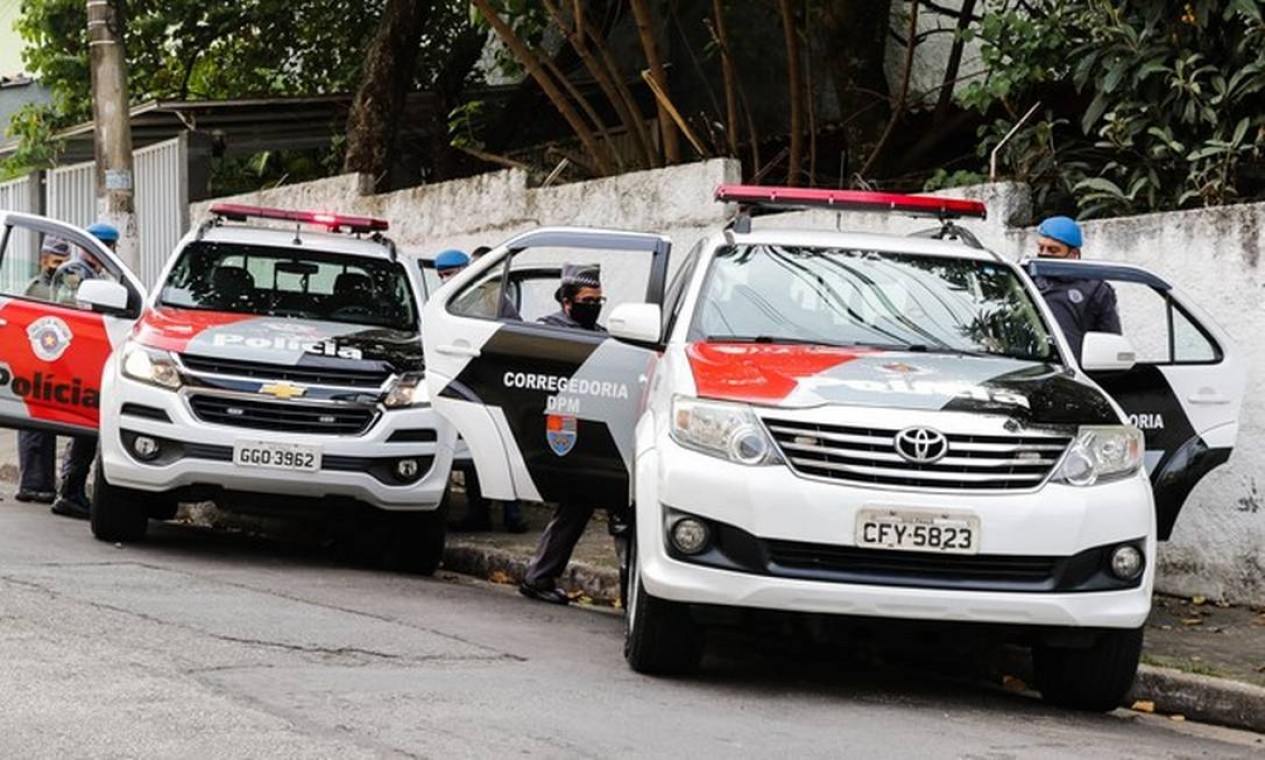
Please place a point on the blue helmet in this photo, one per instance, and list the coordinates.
(1063, 229)
(451, 259)
(104, 232)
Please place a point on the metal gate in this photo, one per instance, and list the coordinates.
(162, 203)
(72, 194)
(20, 195)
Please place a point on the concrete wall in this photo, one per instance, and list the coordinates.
(1218, 547)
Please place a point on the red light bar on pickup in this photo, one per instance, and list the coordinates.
(333, 222)
(850, 200)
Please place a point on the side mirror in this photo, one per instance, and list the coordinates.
(637, 322)
(1107, 352)
(104, 296)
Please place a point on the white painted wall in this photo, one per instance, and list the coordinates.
(1218, 548)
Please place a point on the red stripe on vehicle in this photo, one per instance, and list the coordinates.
(171, 329)
(759, 373)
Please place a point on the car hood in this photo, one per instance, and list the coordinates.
(279, 340)
(796, 376)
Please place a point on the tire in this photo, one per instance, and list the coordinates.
(418, 546)
(117, 514)
(660, 637)
(162, 507)
(1095, 678)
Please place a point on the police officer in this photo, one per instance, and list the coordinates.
(37, 450)
(1079, 306)
(580, 296)
(449, 263)
(72, 501)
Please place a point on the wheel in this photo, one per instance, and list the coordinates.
(418, 545)
(161, 507)
(1094, 678)
(660, 637)
(117, 514)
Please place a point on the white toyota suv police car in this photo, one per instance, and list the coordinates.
(853, 424)
(273, 370)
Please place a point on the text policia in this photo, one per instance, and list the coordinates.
(51, 388)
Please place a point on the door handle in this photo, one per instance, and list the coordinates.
(454, 350)
(4, 322)
(1208, 398)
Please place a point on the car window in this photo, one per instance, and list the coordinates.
(835, 296)
(1159, 331)
(45, 267)
(282, 282)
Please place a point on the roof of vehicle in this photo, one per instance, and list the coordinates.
(305, 239)
(865, 241)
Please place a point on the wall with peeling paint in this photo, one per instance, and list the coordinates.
(1218, 547)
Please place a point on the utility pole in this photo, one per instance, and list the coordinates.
(112, 129)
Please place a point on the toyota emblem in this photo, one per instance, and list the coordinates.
(921, 445)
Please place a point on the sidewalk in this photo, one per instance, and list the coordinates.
(1202, 660)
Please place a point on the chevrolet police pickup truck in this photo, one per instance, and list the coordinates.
(273, 370)
(851, 424)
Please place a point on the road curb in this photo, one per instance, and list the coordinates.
(599, 584)
(1204, 698)
(1173, 692)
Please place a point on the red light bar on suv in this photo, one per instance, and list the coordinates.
(850, 200)
(333, 222)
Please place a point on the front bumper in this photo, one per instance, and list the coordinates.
(198, 455)
(778, 509)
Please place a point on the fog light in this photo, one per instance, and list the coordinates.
(1126, 562)
(145, 447)
(406, 469)
(689, 536)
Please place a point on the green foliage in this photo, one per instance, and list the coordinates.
(209, 50)
(1169, 95)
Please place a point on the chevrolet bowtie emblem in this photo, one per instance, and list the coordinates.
(283, 390)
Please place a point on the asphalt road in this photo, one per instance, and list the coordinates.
(198, 644)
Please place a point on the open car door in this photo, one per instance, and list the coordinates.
(1185, 389)
(548, 412)
(53, 345)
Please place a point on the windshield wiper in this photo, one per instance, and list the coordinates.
(771, 339)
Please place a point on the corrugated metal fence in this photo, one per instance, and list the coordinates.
(20, 195)
(162, 203)
(162, 199)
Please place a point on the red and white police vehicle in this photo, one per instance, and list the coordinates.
(854, 424)
(274, 370)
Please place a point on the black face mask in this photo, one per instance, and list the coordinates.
(585, 313)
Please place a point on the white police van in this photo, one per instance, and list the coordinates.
(852, 424)
(274, 370)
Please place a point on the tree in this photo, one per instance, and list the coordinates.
(1155, 106)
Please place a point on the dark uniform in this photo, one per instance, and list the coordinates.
(37, 450)
(72, 497)
(1080, 306)
(569, 520)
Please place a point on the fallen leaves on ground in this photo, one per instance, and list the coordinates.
(1178, 718)
(1197, 600)
(1013, 683)
(1144, 705)
(500, 576)
(1192, 621)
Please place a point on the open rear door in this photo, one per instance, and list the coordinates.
(548, 412)
(1185, 391)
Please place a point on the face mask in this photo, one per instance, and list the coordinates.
(585, 313)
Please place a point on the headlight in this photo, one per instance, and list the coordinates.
(407, 390)
(150, 365)
(1101, 453)
(728, 431)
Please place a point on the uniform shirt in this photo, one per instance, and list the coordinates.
(562, 319)
(41, 287)
(1080, 306)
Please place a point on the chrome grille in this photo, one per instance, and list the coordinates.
(356, 376)
(868, 455)
(290, 417)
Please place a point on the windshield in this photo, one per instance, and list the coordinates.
(834, 296)
(252, 279)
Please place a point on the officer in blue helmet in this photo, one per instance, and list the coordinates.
(448, 263)
(1079, 306)
(72, 498)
